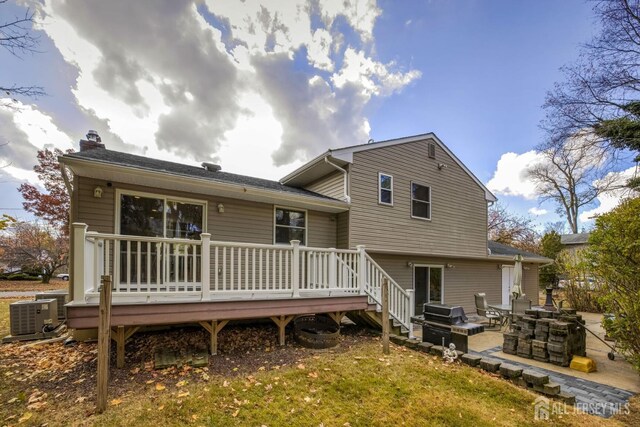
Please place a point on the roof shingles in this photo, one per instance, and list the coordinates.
(146, 163)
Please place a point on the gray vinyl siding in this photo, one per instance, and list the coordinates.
(242, 221)
(461, 282)
(458, 225)
(331, 185)
(343, 230)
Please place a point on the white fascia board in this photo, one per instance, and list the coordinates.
(108, 171)
(346, 154)
(304, 168)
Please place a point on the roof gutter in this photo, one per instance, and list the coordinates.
(345, 175)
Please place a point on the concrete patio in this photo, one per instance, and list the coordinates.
(616, 373)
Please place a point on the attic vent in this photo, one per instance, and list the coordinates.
(211, 167)
(432, 150)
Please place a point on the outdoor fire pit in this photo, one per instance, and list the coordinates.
(314, 331)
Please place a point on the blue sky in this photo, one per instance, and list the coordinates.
(287, 80)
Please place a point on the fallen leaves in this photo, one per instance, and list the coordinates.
(25, 417)
(115, 402)
(160, 387)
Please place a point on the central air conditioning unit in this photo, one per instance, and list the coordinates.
(61, 296)
(31, 317)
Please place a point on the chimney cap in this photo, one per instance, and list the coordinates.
(93, 136)
(211, 167)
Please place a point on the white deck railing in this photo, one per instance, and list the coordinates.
(160, 269)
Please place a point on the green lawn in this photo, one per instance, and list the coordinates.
(355, 388)
(4, 316)
(355, 385)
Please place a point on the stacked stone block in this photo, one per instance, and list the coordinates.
(547, 336)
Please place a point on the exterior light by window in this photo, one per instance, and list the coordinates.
(97, 193)
(220, 208)
(450, 266)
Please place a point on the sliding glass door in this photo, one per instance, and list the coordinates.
(428, 284)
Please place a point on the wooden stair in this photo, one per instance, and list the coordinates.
(373, 319)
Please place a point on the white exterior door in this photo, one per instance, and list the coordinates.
(507, 281)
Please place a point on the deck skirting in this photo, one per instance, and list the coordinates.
(85, 316)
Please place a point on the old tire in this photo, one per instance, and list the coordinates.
(313, 331)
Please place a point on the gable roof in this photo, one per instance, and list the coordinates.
(502, 250)
(102, 156)
(317, 167)
(574, 239)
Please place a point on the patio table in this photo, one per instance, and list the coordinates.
(504, 309)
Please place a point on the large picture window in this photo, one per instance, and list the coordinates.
(385, 189)
(420, 201)
(157, 216)
(290, 224)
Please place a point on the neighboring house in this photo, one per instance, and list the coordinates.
(574, 243)
(407, 210)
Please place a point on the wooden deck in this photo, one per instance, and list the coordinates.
(86, 316)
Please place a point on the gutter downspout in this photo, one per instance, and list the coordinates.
(65, 177)
(344, 178)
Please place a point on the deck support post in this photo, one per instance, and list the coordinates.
(120, 335)
(213, 328)
(104, 327)
(205, 267)
(282, 322)
(295, 269)
(385, 315)
(337, 316)
(362, 269)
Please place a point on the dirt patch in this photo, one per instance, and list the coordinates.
(28, 285)
(60, 380)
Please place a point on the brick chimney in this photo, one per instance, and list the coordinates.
(93, 141)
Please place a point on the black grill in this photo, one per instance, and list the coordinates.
(441, 321)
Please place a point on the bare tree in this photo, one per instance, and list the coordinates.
(602, 84)
(511, 229)
(34, 246)
(572, 174)
(17, 38)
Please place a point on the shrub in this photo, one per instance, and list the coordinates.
(21, 276)
(614, 254)
(581, 291)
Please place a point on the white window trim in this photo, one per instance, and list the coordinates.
(417, 200)
(380, 202)
(164, 197)
(440, 266)
(306, 223)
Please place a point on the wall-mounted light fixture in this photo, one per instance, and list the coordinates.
(441, 166)
(409, 264)
(450, 266)
(499, 266)
(220, 208)
(97, 193)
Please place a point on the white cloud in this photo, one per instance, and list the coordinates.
(510, 177)
(169, 81)
(25, 130)
(537, 211)
(608, 201)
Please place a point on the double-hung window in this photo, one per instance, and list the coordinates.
(290, 224)
(420, 201)
(385, 189)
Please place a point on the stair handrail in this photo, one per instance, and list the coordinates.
(403, 315)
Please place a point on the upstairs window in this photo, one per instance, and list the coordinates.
(290, 225)
(385, 189)
(420, 201)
